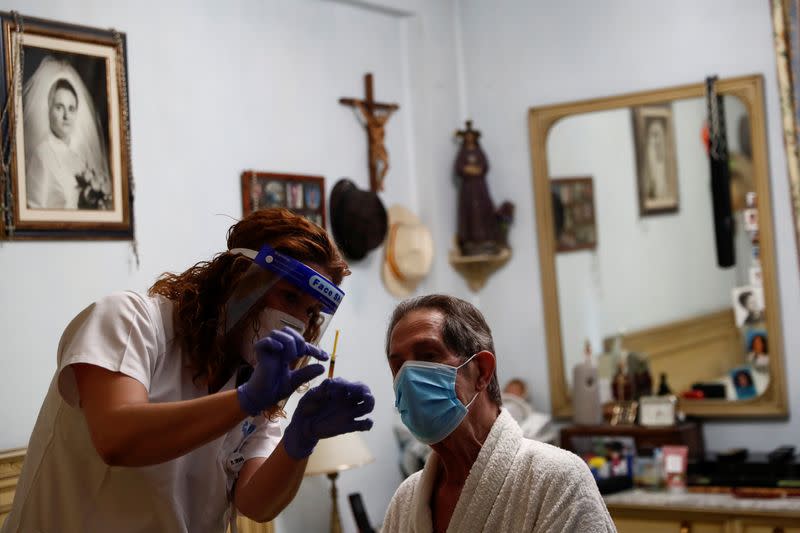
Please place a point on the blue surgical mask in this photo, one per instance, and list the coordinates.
(425, 395)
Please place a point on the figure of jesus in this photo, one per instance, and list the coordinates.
(375, 122)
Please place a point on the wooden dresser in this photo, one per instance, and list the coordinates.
(637, 511)
(689, 434)
(11, 467)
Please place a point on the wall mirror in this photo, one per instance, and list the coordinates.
(627, 247)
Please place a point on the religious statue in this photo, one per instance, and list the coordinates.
(482, 229)
(374, 123)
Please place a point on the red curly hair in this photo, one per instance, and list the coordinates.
(200, 293)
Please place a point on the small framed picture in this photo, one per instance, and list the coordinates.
(757, 348)
(657, 410)
(748, 306)
(756, 279)
(301, 194)
(574, 213)
(743, 383)
(656, 162)
(65, 87)
(751, 219)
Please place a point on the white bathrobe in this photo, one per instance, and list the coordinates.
(516, 485)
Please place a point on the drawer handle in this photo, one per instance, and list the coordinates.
(777, 529)
(685, 527)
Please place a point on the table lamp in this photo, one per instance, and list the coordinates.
(335, 455)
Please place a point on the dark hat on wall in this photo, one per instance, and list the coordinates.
(358, 219)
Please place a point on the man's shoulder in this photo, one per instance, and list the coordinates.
(407, 487)
(554, 459)
(399, 510)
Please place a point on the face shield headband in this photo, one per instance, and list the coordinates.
(271, 267)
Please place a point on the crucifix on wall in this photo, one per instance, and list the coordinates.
(374, 116)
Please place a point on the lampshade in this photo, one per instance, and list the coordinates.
(338, 453)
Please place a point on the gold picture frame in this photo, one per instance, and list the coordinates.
(67, 148)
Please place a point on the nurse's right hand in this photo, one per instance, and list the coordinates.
(273, 379)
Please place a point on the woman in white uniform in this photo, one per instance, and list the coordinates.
(162, 415)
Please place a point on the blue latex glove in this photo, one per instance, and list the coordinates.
(273, 379)
(325, 411)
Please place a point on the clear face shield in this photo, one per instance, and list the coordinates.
(287, 292)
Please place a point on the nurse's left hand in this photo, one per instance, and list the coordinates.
(273, 377)
(332, 408)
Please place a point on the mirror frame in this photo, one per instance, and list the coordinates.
(750, 89)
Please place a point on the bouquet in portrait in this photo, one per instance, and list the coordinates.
(95, 190)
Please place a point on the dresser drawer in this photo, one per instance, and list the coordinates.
(769, 527)
(636, 525)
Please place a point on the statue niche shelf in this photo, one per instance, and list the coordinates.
(476, 269)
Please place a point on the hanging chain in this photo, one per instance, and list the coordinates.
(9, 143)
(126, 127)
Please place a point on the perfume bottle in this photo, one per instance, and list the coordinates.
(587, 408)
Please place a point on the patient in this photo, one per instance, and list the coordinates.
(483, 473)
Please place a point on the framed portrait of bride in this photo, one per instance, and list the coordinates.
(656, 167)
(65, 170)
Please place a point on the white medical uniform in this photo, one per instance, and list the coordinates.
(66, 487)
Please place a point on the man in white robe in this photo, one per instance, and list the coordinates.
(483, 475)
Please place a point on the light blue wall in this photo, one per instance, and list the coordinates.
(219, 87)
(521, 53)
(254, 84)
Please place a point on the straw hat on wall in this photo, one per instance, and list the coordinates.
(408, 252)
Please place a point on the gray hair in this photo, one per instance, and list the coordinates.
(464, 330)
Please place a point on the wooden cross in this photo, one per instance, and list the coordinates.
(374, 116)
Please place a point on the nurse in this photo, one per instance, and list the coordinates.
(163, 412)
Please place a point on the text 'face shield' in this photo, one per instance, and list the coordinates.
(277, 281)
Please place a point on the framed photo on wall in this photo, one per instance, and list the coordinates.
(66, 132)
(574, 213)
(304, 195)
(656, 163)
